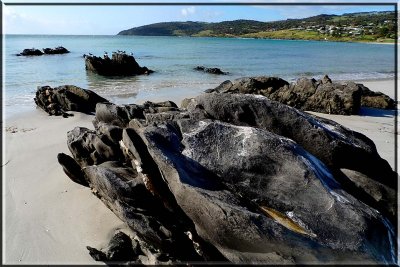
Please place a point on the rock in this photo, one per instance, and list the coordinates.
(333, 98)
(121, 115)
(373, 99)
(120, 64)
(223, 87)
(57, 101)
(224, 178)
(72, 169)
(30, 52)
(322, 96)
(306, 94)
(89, 147)
(374, 192)
(216, 71)
(252, 85)
(237, 178)
(333, 144)
(185, 102)
(47, 51)
(326, 79)
(126, 194)
(57, 50)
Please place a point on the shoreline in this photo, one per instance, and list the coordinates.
(49, 219)
(367, 82)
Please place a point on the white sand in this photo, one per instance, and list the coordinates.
(49, 219)
(385, 86)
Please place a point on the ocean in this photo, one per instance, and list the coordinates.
(173, 60)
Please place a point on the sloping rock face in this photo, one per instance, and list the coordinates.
(235, 178)
(120, 64)
(336, 146)
(57, 50)
(322, 96)
(57, 101)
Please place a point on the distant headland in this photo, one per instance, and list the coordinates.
(356, 27)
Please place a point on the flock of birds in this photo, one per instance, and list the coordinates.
(105, 56)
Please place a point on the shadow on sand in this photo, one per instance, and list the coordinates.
(375, 112)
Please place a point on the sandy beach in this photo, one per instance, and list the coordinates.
(50, 220)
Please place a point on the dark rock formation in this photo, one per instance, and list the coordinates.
(121, 115)
(322, 96)
(120, 64)
(373, 99)
(235, 178)
(336, 146)
(57, 50)
(120, 248)
(57, 101)
(30, 52)
(47, 51)
(211, 70)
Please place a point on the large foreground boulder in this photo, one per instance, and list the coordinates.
(120, 64)
(57, 101)
(322, 95)
(235, 178)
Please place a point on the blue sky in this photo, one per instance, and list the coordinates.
(112, 19)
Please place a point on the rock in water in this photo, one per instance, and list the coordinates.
(211, 70)
(30, 52)
(120, 64)
(237, 178)
(57, 50)
(47, 51)
(57, 101)
(322, 96)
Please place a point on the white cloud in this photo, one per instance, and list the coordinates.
(188, 11)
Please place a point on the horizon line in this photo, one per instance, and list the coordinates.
(199, 4)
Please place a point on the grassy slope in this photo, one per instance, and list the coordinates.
(298, 35)
(312, 35)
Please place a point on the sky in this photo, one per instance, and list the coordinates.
(109, 19)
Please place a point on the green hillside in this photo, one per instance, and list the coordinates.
(364, 26)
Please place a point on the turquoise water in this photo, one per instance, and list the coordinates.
(173, 59)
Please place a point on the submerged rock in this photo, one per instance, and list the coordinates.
(57, 101)
(120, 64)
(322, 96)
(211, 70)
(236, 178)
